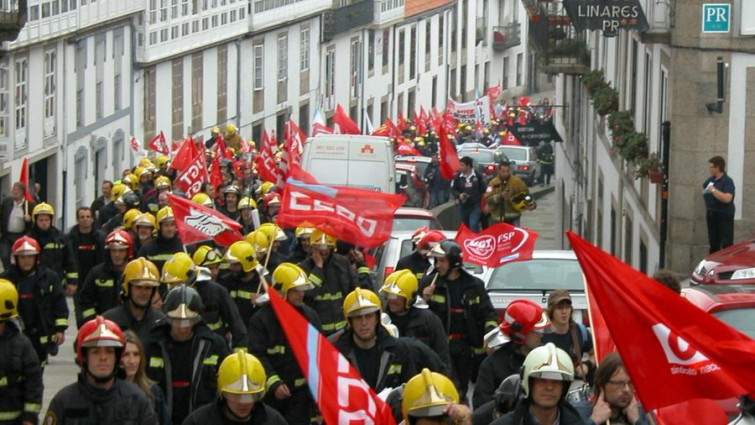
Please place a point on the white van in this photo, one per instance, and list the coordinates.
(364, 162)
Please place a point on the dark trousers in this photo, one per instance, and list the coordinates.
(546, 171)
(720, 230)
(462, 366)
(470, 215)
(6, 243)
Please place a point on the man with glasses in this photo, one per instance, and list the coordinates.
(614, 395)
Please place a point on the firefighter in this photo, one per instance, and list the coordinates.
(276, 237)
(99, 396)
(42, 306)
(432, 397)
(144, 226)
(57, 254)
(418, 261)
(231, 197)
(287, 388)
(140, 282)
(209, 258)
(149, 200)
(241, 388)
(246, 208)
(102, 289)
(303, 248)
(167, 242)
(243, 280)
(184, 355)
(219, 312)
(20, 373)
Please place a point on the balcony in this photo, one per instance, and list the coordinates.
(388, 12)
(12, 19)
(561, 48)
(344, 18)
(660, 19)
(507, 36)
(569, 56)
(272, 13)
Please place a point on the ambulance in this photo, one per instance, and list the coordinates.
(364, 162)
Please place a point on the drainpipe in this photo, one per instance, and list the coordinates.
(237, 42)
(64, 141)
(665, 149)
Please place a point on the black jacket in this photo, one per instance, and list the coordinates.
(122, 317)
(474, 191)
(20, 370)
(268, 342)
(100, 291)
(212, 413)
(414, 262)
(82, 404)
(89, 249)
(498, 366)
(6, 206)
(57, 253)
(207, 353)
(241, 293)
(521, 415)
(424, 325)
(159, 250)
(400, 358)
(220, 313)
(104, 215)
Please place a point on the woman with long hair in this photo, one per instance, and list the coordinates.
(133, 365)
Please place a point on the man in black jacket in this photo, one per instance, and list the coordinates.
(15, 220)
(167, 242)
(467, 187)
(57, 252)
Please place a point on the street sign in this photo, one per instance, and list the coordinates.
(716, 18)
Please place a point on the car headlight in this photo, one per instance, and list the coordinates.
(700, 269)
(744, 274)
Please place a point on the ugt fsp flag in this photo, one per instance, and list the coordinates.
(498, 244)
(24, 178)
(663, 338)
(196, 223)
(358, 216)
(341, 394)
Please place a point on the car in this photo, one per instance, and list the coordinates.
(410, 183)
(536, 278)
(485, 160)
(419, 162)
(731, 265)
(407, 218)
(400, 245)
(523, 161)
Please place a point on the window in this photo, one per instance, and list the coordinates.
(174, 9)
(519, 68)
(153, 37)
(21, 82)
(63, 6)
(648, 88)
(330, 68)
(4, 100)
(258, 67)
(46, 10)
(56, 6)
(163, 35)
(355, 67)
(50, 86)
(174, 32)
(118, 48)
(505, 73)
(413, 53)
(214, 21)
(428, 42)
(222, 83)
(81, 65)
(401, 37)
(205, 23)
(304, 49)
(224, 19)
(196, 91)
(441, 36)
(150, 109)
(33, 13)
(184, 29)
(73, 5)
(163, 10)
(282, 56)
(370, 50)
(81, 177)
(195, 26)
(386, 47)
(185, 8)
(178, 98)
(99, 62)
(233, 16)
(152, 11)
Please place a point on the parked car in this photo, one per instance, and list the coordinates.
(536, 278)
(410, 183)
(419, 162)
(400, 245)
(732, 265)
(485, 160)
(523, 161)
(407, 218)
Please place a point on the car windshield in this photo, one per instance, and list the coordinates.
(483, 156)
(741, 319)
(514, 154)
(538, 274)
(413, 223)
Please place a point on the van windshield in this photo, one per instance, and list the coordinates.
(362, 174)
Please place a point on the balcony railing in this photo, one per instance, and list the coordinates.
(13, 14)
(561, 48)
(507, 36)
(387, 11)
(344, 18)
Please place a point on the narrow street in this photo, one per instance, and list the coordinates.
(542, 220)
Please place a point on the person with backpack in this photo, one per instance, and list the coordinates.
(568, 335)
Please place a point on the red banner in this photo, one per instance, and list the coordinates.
(663, 338)
(498, 244)
(266, 166)
(159, 145)
(185, 155)
(345, 124)
(449, 159)
(361, 217)
(407, 149)
(341, 394)
(24, 178)
(190, 179)
(197, 223)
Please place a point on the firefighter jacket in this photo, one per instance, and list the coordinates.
(241, 292)
(159, 250)
(123, 317)
(57, 253)
(20, 377)
(212, 413)
(89, 249)
(426, 327)
(502, 208)
(414, 262)
(82, 404)
(269, 344)
(400, 358)
(207, 353)
(332, 282)
(42, 306)
(505, 361)
(100, 291)
(479, 314)
(220, 313)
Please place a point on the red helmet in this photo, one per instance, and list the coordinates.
(272, 199)
(99, 332)
(521, 318)
(428, 240)
(25, 245)
(120, 239)
(417, 235)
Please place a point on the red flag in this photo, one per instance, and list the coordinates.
(135, 146)
(394, 132)
(341, 394)
(158, 144)
(24, 178)
(216, 177)
(703, 411)
(191, 177)
(524, 101)
(498, 244)
(197, 223)
(318, 128)
(510, 139)
(522, 118)
(449, 160)
(185, 155)
(400, 122)
(663, 338)
(221, 149)
(266, 166)
(345, 124)
(493, 92)
(407, 149)
(358, 216)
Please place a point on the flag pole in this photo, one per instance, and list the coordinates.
(267, 260)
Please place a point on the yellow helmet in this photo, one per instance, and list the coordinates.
(259, 241)
(139, 171)
(263, 189)
(230, 129)
(303, 232)
(247, 202)
(162, 161)
(360, 302)
(165, 214)
(203, 199)
(273, 232)
(402, 283)
(162, 182)
(215, 130)
(242, 252)
(131, 181)
(547, 362)
(320, 239)
(145, 163)
(43, 208)
(288, 276)
(427, 394)
(140, 272)
(8, 300)
(179, 268)
(205, 256)
(145, 219)
(129, 217)
(117, 191)
(521, 201)
(242, 373)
